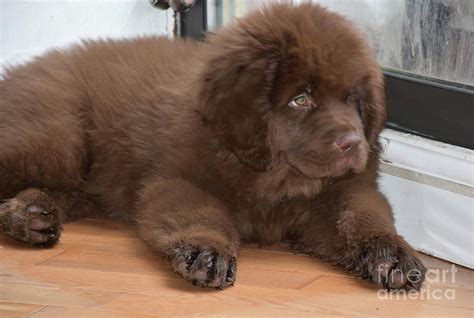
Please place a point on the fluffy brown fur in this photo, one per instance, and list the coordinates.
(201, 145)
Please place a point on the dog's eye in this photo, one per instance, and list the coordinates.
(301, 101)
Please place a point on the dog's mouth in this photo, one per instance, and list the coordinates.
(316, 168)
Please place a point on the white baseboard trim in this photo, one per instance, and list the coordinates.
(431, 188)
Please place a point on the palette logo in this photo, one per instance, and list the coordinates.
(438, 277)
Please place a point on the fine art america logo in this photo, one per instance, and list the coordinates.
(432, 287)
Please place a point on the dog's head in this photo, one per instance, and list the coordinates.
(296, 85)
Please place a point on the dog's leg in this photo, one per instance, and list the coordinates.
(192, 229)
(35, 215)
(362, 238)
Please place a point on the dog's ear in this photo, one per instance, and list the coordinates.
(375, 109)
(235, 95)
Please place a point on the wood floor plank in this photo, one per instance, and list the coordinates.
(62, 312)
(138, 281)
(252, 270)
(14, 310)
(270, 311)
(95, 280)
(271, 278)
(285, 262)
(100, 228)
(218, 303)
(256, 299)
(14, 252)
(352, 288)
(54, 295)
(118, 245)
(107, 262)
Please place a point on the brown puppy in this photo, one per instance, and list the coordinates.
(267, 132)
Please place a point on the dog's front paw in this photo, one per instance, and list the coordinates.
(204, 265)
(390, 262)
(29, 223)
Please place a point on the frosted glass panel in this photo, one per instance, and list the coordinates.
(430, 38)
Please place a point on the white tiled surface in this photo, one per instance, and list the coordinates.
(434, 217)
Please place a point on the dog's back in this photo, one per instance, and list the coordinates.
(90, 116)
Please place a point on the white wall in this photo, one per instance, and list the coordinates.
(29, 27)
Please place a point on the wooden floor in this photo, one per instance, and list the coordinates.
(101, 269)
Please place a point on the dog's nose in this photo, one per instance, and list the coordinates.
(348, 141)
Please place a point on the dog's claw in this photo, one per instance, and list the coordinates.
(204, 267)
